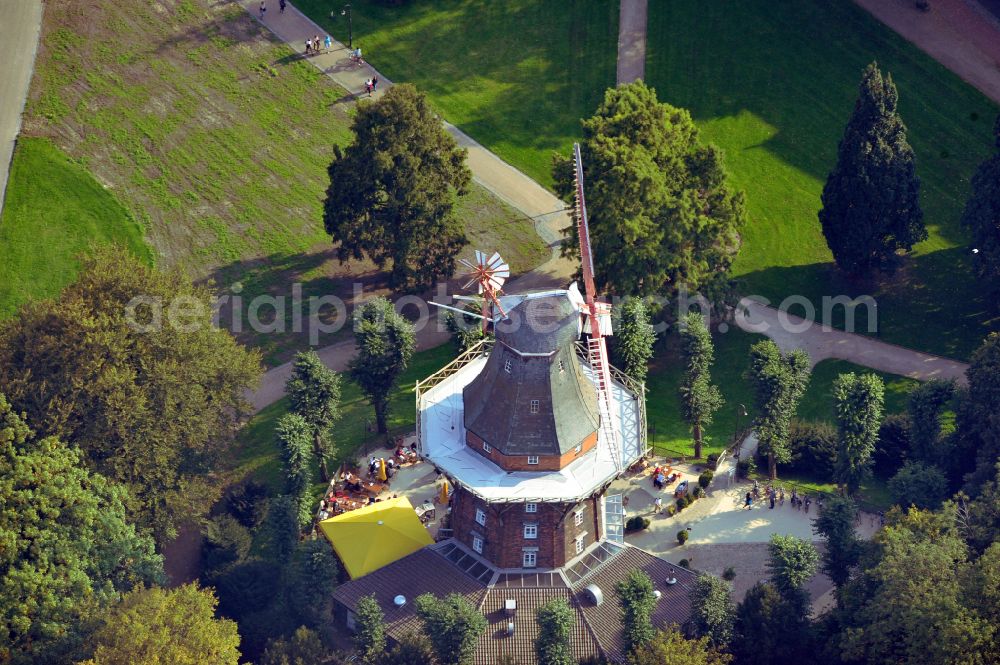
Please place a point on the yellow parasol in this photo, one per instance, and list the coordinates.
(381, 470)
(444, 493)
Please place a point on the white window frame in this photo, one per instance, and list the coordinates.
(578, 449)
(477, 543)
(507, 364)
(578, 517)
(531, 530)
(532, 459)
(579, 543)
(533, 405)
(562, 367)
(532, 554)
(480, 517)
(531, 507)
(487, 447)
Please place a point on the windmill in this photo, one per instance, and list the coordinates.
(598, 317)
(490, 274)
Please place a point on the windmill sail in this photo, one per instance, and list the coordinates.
(597, 351)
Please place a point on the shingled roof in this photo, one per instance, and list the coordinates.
(498, 402)
(597, 628)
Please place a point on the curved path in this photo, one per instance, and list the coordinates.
(548, 213)
(19, 31)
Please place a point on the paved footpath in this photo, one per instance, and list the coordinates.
(20, 26)
(631, 41)
(959, 34)
(547, 211)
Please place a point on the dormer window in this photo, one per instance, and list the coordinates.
(507, 365)
(533, 406)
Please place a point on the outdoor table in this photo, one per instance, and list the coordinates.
(426, 511)
(374, 488)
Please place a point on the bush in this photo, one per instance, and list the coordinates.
(918, 484)
(671, 510)
(684, 563)
(705, 479)
(698, 492)
(746, 466)
(729, 574)
(248, 587)
(682, 503)
(892, 447)
(248, 503)
(814, 449)
(226, 542)
(682, 536)
(636, 523)
(712, 460)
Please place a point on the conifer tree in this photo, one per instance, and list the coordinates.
(295, 441)
(870, 201)
(699, 397)
(858, 406)
(634, 338)
(314, 391)
(982, 218)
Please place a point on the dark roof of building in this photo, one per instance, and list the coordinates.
(498, 402)
(597, 629)
(604, 620)
(539, 325)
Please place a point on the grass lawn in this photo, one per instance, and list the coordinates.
(773, 85)
(258, 456)
(38, 259)
(217, 138)
(668, 431)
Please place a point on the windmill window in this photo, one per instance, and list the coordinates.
(532, 459)
(533, 406)
(578, 517)
(578, 449)
(531, 507)
(579, 543)
(531, 530)
(480, 516)
(562, 366)
(477, 544)
(487, 447)
(529, 557)
(506, 365)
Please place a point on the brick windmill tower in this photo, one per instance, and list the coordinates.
(531, 429)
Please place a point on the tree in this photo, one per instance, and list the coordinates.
(304, 648)
(152, 402)
(772, 628)
(634, 338)
(779, 382)
(870, 201)
(858, 401)
(385, 343)
(636, 599)
(279, 531)
(411, 649)
(669, 647)
(978, 417)
(453, 625)
(981, 516)
(314, 393)
(791, 562)
(925, 405)
(712, 611)
(700, 399)
(555, 625)
(295, 441)
(310, 581)
(392, 191)
(369, 636)
(892, 448)
(843, 547)
(918, 484)
(225, 542)
(66, 548)
(176, 626)
(661, 212)
(982, 218)
(908, 604)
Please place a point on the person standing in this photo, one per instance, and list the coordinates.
(281, 6)
(658, 505)
(328, 43)
(309, 45)
(749, 501)
(263, 9)
(375, 82)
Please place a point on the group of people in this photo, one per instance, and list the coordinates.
(660, 479)
(314, 45)
(263, 7)
(371, 85)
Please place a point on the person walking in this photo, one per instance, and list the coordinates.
(309, 45)
(749, 501)
(368, 87)
(771, 497)
(328, 43)
(375, 82)
(263, 9)
(281, 6)
(658, 505)
(781, 496)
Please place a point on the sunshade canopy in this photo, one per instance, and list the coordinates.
(374, 536)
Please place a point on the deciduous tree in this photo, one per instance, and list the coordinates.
(453, 625)
(835, 523)
(555, 625)
(634, 338)
(636, 599)
(369, 636)
(918, 484)
(772, 628)
(870, 201)
(295, 441)
(778, 381)
(392, 191)
(982, 218)
(411, 649)
(978, 417)
(385, 343)
(700, 398)
(304, 648)
(314, 393)
(712, 611)
(310, 580)
(66, 548)
(669, 647)
(925, 405)
(166, 626)
(126, 365)
(662, 214)
(791, 562)
(858, 401)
